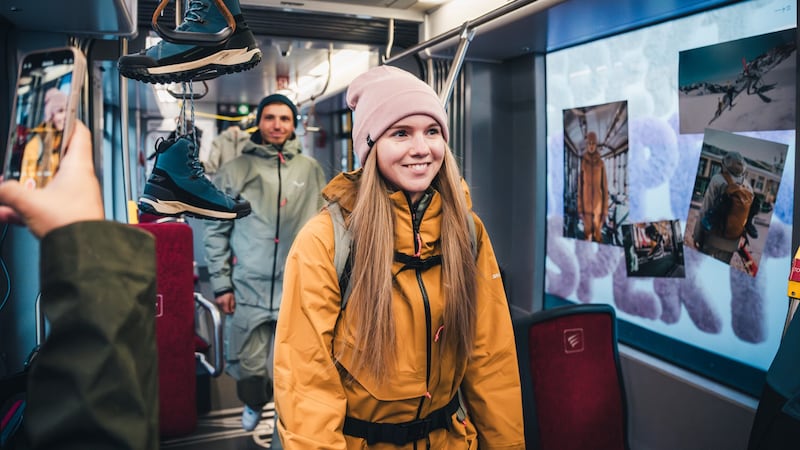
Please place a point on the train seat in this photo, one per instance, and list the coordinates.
(573, 395)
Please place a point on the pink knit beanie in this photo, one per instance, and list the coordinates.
(54, 100)
(382, 96)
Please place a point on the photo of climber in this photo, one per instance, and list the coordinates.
(743, 85)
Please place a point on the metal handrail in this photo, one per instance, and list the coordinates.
(472, 24)
(216, 320)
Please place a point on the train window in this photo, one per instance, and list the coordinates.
(663, 109)
(344, 143)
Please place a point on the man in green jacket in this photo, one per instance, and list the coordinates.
(94, 383)
(246, 256)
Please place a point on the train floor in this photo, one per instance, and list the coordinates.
(220, 428)
(219, 421)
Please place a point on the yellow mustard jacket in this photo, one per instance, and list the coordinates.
(311, 399)
(593, 187)
(39, 164)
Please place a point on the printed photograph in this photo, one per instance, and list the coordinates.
(595, 172)
(654, 249)
(734, 196)
(743, 85)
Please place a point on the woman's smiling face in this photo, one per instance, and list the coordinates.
(410, 154)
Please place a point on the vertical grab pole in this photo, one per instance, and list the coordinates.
(130, 207)
(466, 37)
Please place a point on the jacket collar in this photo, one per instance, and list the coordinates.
(258, 147)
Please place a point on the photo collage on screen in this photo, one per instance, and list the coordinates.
(670, 177)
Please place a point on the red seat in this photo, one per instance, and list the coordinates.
(175, 333)
(572, 387)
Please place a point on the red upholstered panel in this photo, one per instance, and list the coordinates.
(175, 327)
(579, 401)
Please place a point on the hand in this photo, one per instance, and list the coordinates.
(73, 195)
(226, 302)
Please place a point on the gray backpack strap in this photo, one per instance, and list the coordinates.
(472, 235)
(343, 239)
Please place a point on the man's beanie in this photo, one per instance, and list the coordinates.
(728, 160)
(276, 98)
(382, 96)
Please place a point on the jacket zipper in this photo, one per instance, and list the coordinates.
(281, 161)
(415, 223)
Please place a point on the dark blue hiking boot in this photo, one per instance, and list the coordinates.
(168, 62)
(178, 186)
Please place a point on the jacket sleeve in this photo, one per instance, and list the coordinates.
(94, 383)
(319, 177)
(491, 385)
(212, 162)
(309, 396)
(218, 246)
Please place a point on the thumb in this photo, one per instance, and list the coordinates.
(11, 194)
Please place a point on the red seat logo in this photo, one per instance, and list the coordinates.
(573, 340)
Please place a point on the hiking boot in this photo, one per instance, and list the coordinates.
(178, 186)
(250, 418)
(168, 62)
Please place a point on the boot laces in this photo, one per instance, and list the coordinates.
(194, 162)
(195, 12)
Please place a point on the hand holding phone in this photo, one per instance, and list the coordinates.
(72, 196)
(44, 111)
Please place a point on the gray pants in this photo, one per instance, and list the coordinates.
(252, 368)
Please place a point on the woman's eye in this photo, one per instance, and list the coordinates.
(434, 131)
(400, 133)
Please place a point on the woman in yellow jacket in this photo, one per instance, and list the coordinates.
(427, 321)
(43, 152)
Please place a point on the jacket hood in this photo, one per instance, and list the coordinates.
(343, 189)
(255, 145)
(236, 136)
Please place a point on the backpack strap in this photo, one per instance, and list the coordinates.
(342, 245)
(472, 234)
(343, 241)
(728, 178)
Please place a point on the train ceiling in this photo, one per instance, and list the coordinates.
(309, 29)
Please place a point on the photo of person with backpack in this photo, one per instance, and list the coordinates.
(727, 210)
(420, 353)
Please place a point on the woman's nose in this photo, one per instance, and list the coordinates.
(420, 144)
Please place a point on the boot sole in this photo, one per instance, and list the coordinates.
(220, 63)
(177, 208)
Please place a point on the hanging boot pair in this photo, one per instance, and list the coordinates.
(178, 184)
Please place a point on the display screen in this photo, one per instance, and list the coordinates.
(644, 129)
(44, 89)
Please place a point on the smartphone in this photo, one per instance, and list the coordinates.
(43, 114)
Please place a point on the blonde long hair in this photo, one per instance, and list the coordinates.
(370, 304)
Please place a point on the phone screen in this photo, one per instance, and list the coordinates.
(43, 106)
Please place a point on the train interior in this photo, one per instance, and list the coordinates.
(666, 86)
